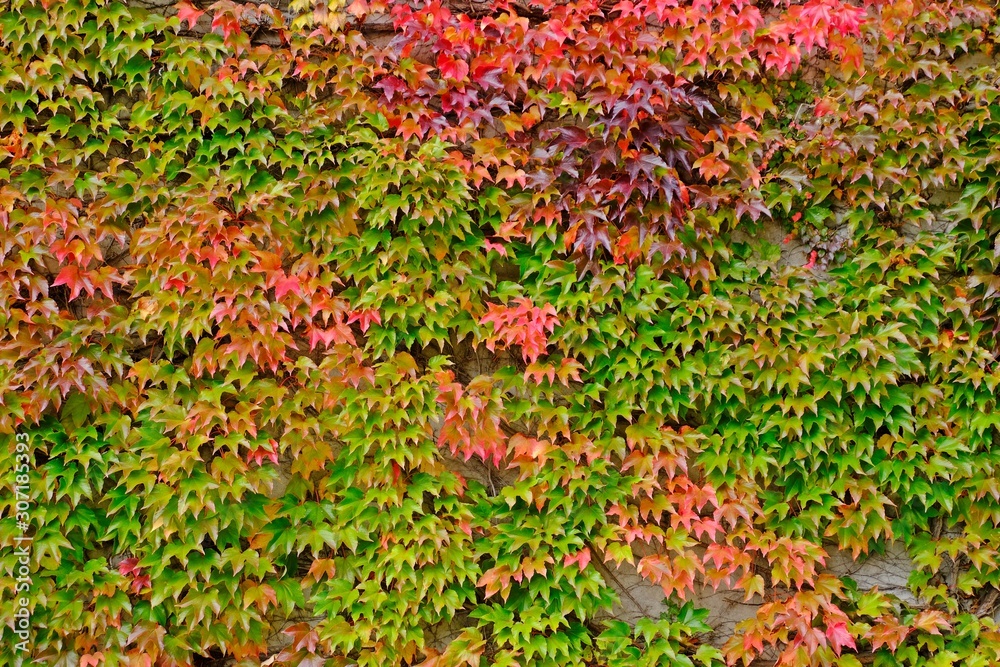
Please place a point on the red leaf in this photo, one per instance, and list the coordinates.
(358, 8)
(75, 280)
(812, 260)
(452, 68)
(390, 86)
(286, 284)
(188, 12)
(140, 583)
(488, 76)
(499, 248)
(754, 208)
(711, 166)
(364, 318)
(522, 324)
(91, 659)
(581, 558)
(129, 566)
(840, 636)
(259, 454)
(227, 24)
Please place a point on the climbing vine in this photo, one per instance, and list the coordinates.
(399, 333)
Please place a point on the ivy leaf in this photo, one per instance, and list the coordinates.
(454, 69)
(840, 636)
(189, 13)
(76, 280)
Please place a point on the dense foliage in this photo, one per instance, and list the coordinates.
(383, 336)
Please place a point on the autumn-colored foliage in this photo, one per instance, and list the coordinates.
(388, 333)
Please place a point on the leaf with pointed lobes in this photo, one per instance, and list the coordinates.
(227, 23)
(931, 621)
(674, 575)
(522, 324)
(91, 659)
(529, 449)
(187, 12)
(840, 637)
(888, 632)
(129, 566)
(304, 636)
(453, 69)
(148, 637)
(72, 277)
(364, 317)
(322, 567)
(263, 452)
(812, 260)
(471, 419)
(140, 583)
(285, 284)
(492, 246)
(581, 558)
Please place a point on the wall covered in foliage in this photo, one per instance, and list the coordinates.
(385, 335)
